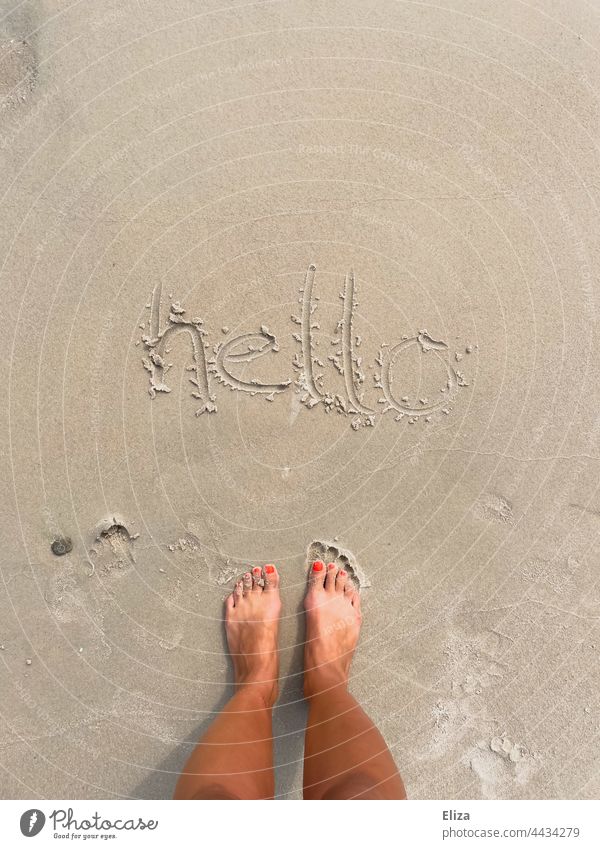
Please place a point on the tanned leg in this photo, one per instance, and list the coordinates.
(345, 756)
(234, 759)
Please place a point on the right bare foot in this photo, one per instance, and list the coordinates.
(252, 614)
(333, 621)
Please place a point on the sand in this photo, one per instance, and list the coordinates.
(283, 272)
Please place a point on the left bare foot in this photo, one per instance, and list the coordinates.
(252, 614)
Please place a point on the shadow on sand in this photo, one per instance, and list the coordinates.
(289, 721)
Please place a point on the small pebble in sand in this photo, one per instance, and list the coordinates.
(28, 662)
(469, 349)
(225, 329)
(61, 545)
(81, 650)
(163, 571)
(2, 647)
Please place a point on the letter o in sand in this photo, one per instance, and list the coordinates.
(450, 376)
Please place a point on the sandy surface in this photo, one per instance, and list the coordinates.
(358, 242)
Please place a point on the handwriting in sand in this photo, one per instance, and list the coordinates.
(209, 369)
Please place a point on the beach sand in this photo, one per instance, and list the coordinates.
(289, 272)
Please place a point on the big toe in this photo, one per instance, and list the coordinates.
(271, 578)
(316, 575)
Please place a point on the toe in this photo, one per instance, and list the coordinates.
(341, 581)
(238, 592)
(316, 577)
(271, 577)
(332, 571)
(229, 604)
(353, 596)
(257, 579)
(247, 581)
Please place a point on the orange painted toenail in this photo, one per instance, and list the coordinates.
(269, 569)
(317, 566)
(342, 573)
(331, 565)
(256, 570)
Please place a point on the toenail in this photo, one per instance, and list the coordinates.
(331, 565)
(342, 573)
(317, 566)
(247, 575)
(269, 569)
(256, 570)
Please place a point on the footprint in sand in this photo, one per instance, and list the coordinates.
(113, 546)
(330, 552)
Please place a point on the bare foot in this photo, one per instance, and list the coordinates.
(252, 621)
(333, 621)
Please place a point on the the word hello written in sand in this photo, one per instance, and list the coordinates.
(220, 365)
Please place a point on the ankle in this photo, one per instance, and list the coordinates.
(324, 684)
(264, 693)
